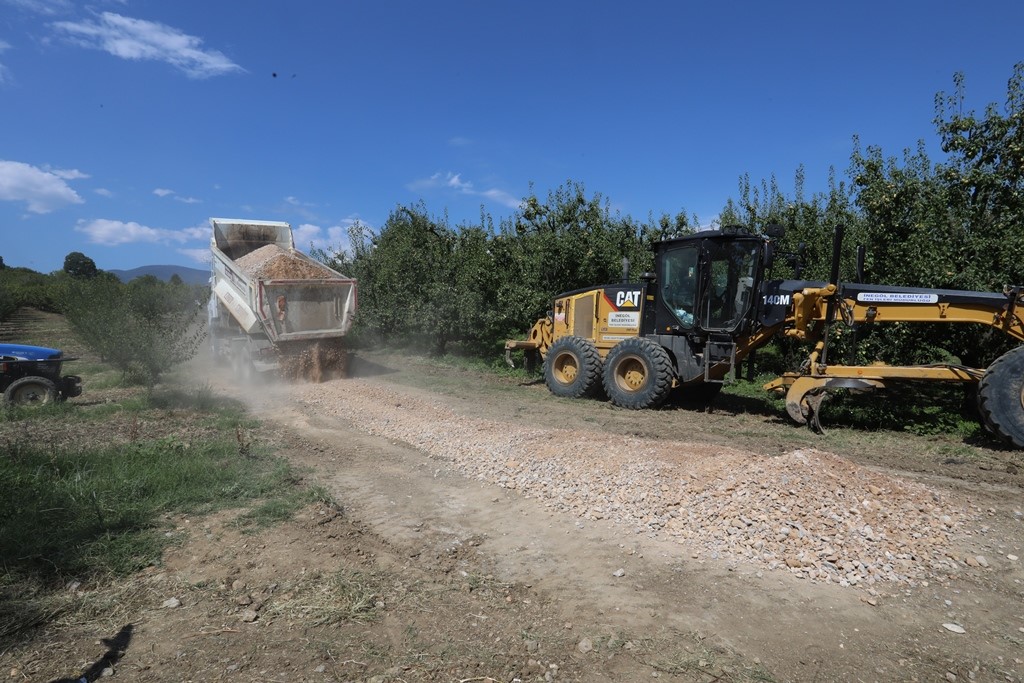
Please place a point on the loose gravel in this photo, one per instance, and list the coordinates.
(273, 262)
(808, 512)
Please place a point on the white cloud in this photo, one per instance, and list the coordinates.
(454, 181)
(42, 190)
(111, 233)
(199, 232)
(138, 39)
(331, 239)
(47, 7)
(502, 197)
(197, 255)
(5, 73)
(103, 192)
(164, 192)
(68, 174)
(302, 208)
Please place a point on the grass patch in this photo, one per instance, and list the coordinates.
(69, 513)
(88, 486)
(16, 412)
(281, 508)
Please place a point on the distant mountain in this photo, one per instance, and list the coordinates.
(190, 276)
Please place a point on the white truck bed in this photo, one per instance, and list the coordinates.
(289, 297)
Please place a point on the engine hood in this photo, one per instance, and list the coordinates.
(25, 352)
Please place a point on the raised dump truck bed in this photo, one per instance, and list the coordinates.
(271, 305)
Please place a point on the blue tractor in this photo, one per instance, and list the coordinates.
(31, 375)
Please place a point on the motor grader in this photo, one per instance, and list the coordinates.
(710, 302)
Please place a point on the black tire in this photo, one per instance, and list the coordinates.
(1001, 397)
(638, 374)
(572, 368)
(31, 391)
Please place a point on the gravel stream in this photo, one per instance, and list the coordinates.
(808, 512)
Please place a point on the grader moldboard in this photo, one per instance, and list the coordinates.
(711, 302)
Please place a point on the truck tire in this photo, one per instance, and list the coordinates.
(31, 391)
(1001, 397)
(638, 374)
(572, 368)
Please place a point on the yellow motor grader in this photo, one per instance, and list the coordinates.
(710, 302)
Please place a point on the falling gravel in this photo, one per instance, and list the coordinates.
(808, 512)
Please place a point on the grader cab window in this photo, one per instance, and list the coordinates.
(728, 292)
(679, 283)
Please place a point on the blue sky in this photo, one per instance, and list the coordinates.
(126, 124)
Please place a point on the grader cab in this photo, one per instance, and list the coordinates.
(710, 303)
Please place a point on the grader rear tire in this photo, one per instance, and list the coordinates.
(638, 374)
(1001, 397)
(572, 368)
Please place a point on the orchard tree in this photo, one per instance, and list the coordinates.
(953, 224)
(565, 242)
(143, 328)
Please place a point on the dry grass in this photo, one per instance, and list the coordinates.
(347, 595)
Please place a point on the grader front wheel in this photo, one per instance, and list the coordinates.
(1001, 397)
(572, 368)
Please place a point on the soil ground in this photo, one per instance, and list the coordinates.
(416, 571)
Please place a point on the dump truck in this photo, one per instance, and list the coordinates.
(712, 301)
(273, 309)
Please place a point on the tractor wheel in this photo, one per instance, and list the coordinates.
(1001, 397)
(638, 374)
(31, 391)
(572, 368)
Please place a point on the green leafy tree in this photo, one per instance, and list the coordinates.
(143, 328)
(953, 224)
(78, 265)
(566, 242)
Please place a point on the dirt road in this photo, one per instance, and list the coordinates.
(478, 529)
(799, 563)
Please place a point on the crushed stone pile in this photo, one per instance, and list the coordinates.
(272, 262)
(808, 512)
